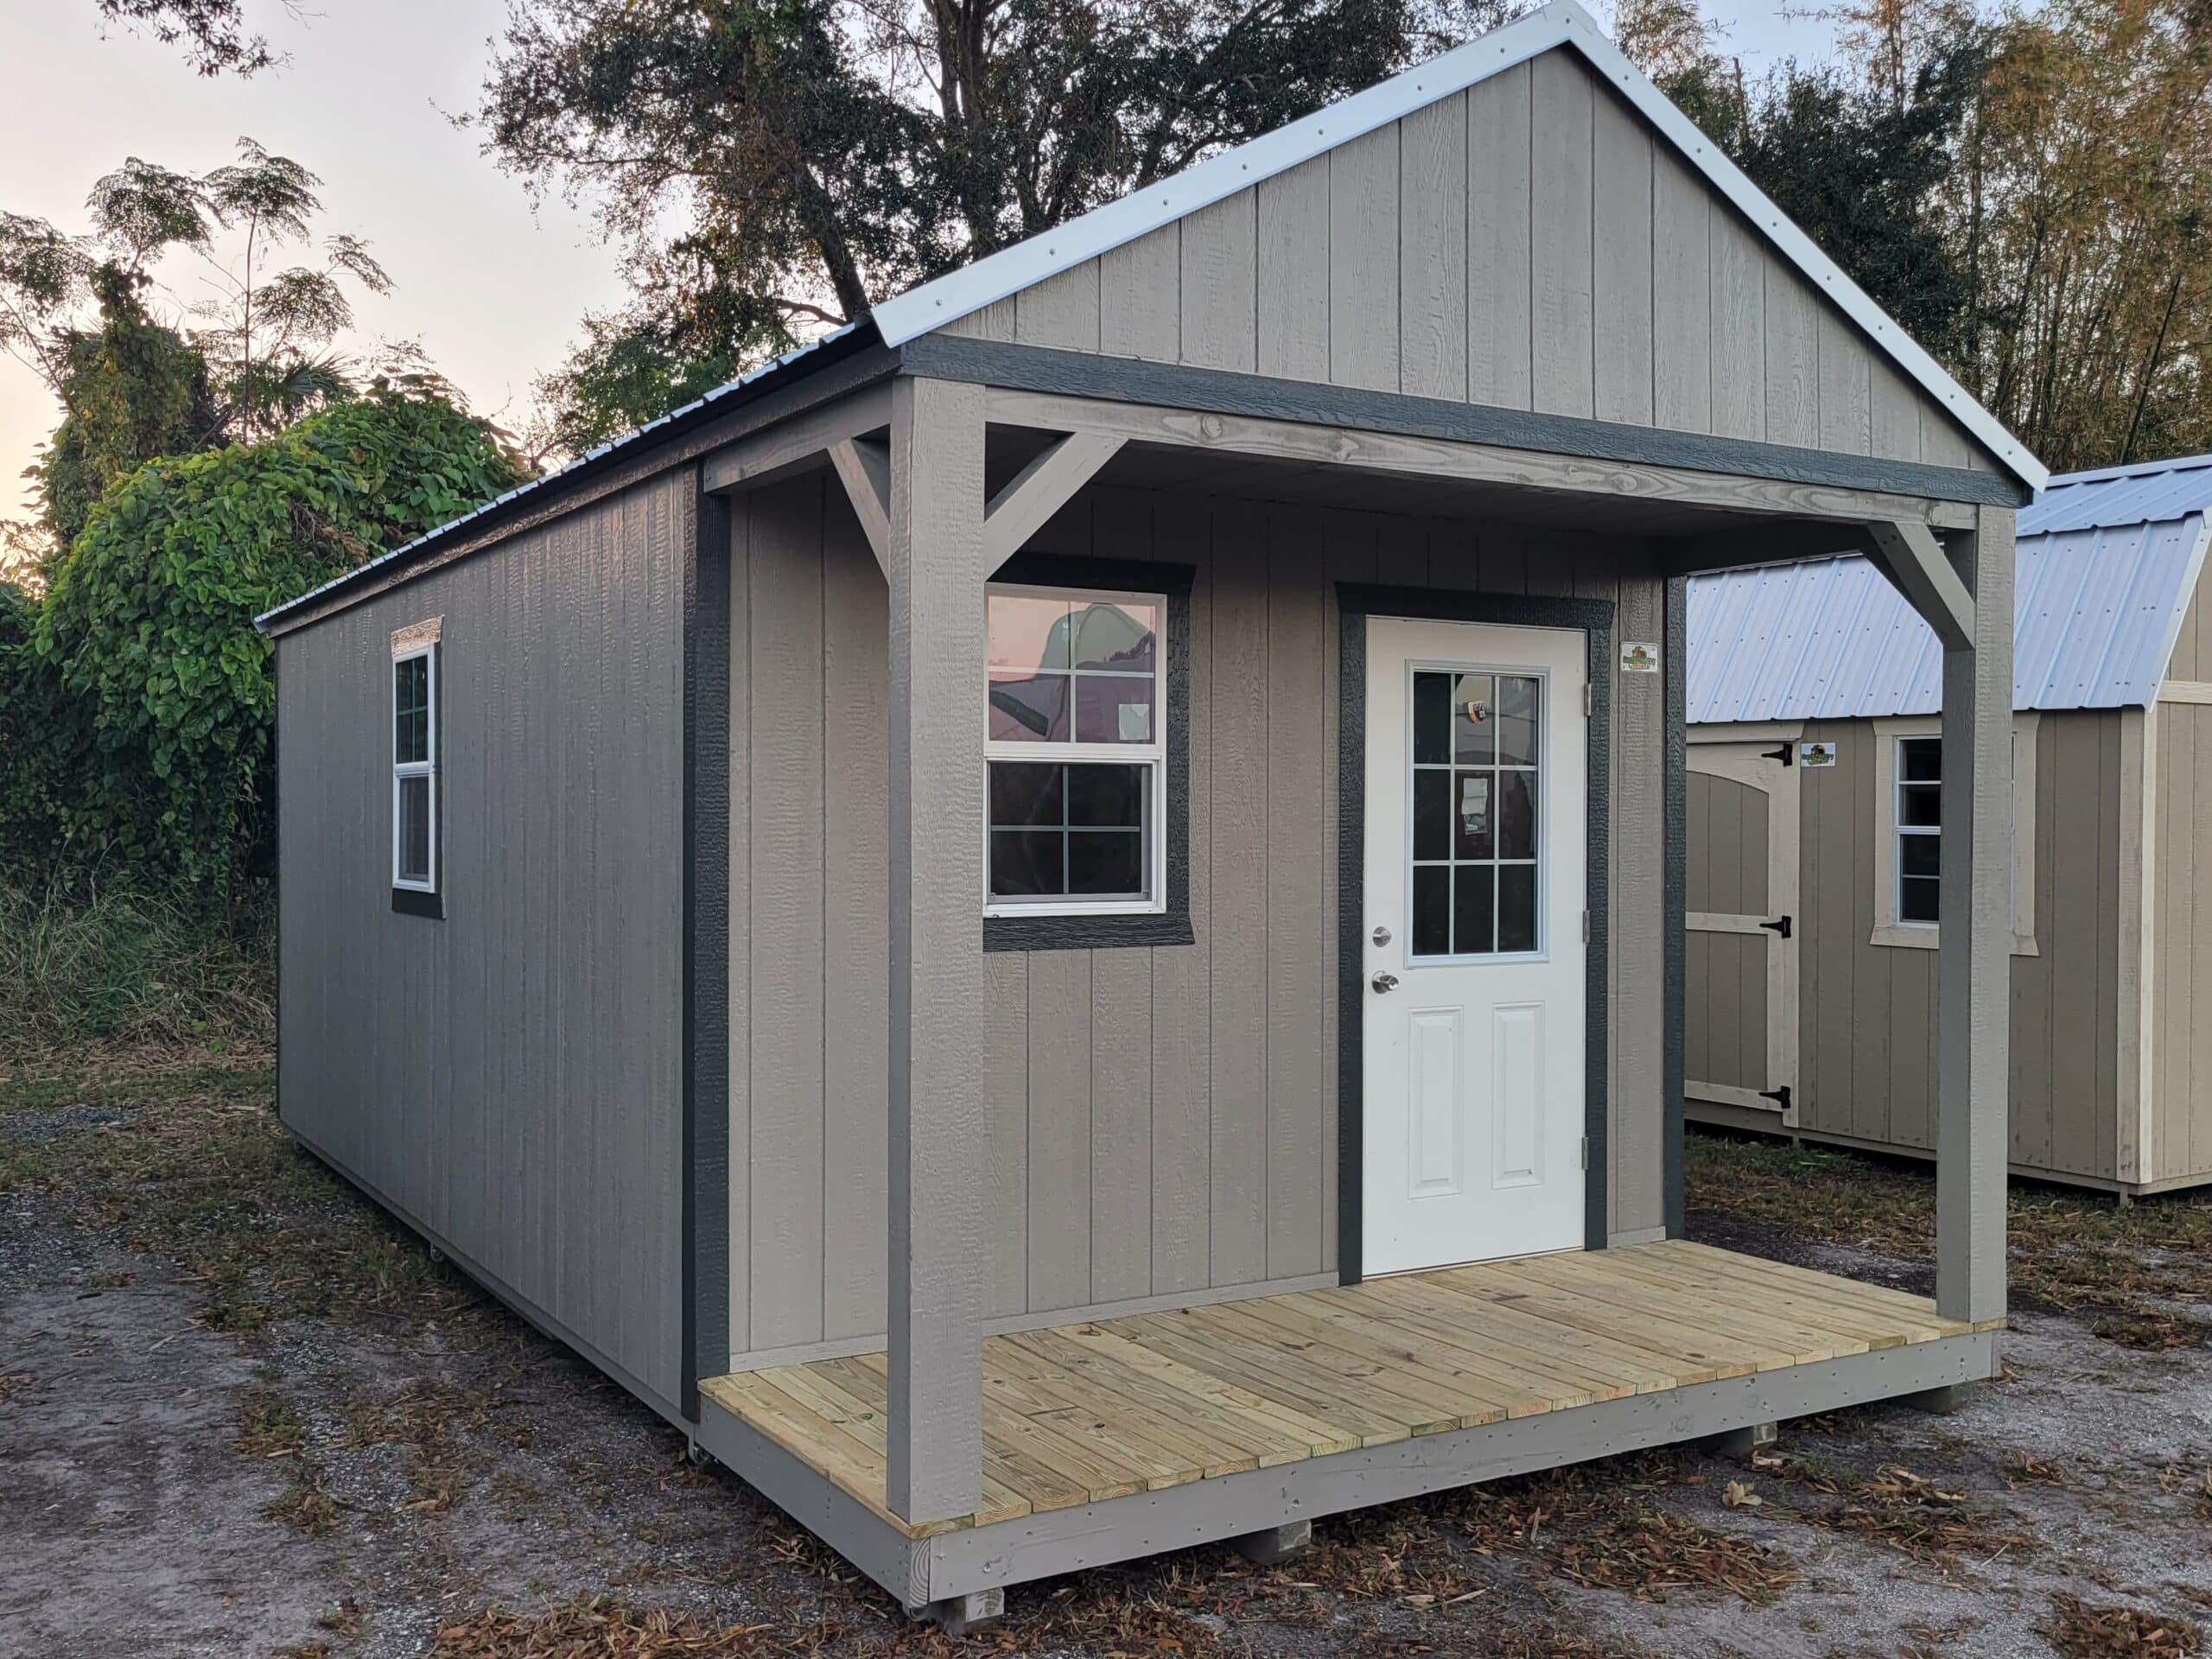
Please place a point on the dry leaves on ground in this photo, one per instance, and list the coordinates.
(2083, 1631)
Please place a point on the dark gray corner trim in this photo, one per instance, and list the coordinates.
(1107, 932)
(1127, 379)
(1357, 601)
(805, 383)
(413, 901)
(706, 945)
(1674, 890)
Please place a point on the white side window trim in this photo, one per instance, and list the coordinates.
(1889, 930)
(426, 767)
(1152, 755)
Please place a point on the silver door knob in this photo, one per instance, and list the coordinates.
(1384, 981)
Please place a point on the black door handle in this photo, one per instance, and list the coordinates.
(1781, 927)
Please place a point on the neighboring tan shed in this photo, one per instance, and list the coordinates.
(1055, 924)
(1829, 1031)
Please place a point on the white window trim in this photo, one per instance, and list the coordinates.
(1926, 936)
(401, 769)
(1153, 755)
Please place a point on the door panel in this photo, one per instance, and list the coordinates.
(1473, 954)
(1740, 997)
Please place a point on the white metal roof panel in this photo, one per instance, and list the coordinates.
(2107, 565)
(1562, 22)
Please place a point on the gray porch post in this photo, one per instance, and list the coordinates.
(1975, 961)
(936, 573)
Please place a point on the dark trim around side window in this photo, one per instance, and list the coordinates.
(416, 901)
(1171, 925)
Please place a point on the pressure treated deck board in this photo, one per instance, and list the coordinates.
(1084, 1412)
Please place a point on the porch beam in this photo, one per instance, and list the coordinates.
(863, 465)
(1974, 913)
(936, 569)
(1367, 449)
(1041, 489)
(1910, 555)
(798, 444)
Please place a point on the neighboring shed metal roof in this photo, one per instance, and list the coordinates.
(1562, 22)
(2108, 563)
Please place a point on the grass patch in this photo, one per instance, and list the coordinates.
(2122, 1270)
(189, 1162)
(2083, 1631)
(108, 968)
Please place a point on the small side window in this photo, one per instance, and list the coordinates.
(1919, 828)
(415, 771)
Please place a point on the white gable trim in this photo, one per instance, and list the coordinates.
(1562, 22)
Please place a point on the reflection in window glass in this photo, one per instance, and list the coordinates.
(1476, 751)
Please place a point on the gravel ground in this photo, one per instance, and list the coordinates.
(424, 1476)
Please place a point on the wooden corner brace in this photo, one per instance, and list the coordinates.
(864, 467)
(1041, 489)
(1913, 560)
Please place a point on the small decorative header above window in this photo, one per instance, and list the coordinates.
(415, 635)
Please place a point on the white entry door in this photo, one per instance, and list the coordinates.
(1476, 823)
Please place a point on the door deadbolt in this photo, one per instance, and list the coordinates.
(1382, 936)
(1384, 981)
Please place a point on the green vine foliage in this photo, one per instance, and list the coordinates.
(161, 702)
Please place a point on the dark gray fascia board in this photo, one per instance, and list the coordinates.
(808, 380)
(1125, 379)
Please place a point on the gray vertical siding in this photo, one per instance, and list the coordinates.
(1163, 1121)
(1529, 243)
(1867, 1014)
(2181, 939)
(507, 1078)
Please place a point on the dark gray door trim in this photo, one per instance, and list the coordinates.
(1675, 805)
(705, 1245)
(1356, 602)
(1228, 392)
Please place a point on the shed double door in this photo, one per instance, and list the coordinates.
(1740, 990)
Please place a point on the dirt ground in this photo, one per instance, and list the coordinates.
(242, 1414)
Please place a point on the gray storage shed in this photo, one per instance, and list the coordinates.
(1813, 889)
(1055, 924)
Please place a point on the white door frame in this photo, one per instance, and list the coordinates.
(1593, 619)
(1745, 754)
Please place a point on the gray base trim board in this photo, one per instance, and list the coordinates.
(1148, 1523)
(1007, 1325)
(1356, 602)
(1172, 385)
(497, 1289)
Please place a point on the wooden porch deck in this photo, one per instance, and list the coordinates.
(1080, 1413)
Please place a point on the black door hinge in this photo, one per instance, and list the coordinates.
(1786, 754)
(1781, 927)
(1779, 1097)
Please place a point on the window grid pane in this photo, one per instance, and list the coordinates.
(1474, 813)
(1918, 827)
(1070, 829)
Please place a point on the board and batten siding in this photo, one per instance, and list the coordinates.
(507, 1078)
(1163, 1121)
(1529, 243)
(2179, 900)
(1867, 1036)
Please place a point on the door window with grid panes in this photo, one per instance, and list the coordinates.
(1477, 786)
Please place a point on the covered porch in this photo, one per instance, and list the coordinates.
(1116, 1438)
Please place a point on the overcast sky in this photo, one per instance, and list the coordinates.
(493, 290)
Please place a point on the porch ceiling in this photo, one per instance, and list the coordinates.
(1177, 469)
(1085, 1412)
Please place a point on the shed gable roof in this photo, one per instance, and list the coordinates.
(1562, 23)
(2107, 564)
